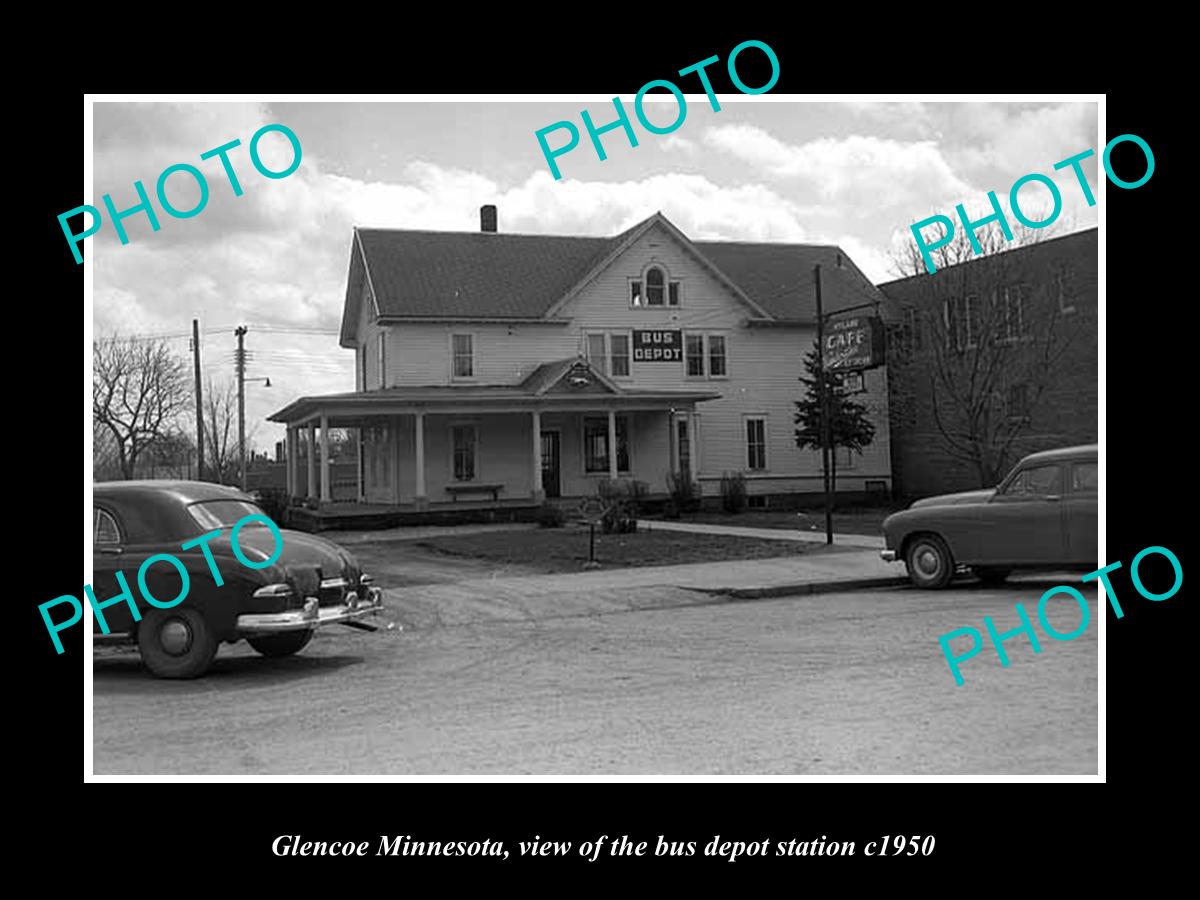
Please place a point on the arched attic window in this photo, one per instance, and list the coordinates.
(655, 286)
(659, 289)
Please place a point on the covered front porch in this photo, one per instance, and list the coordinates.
(457, 449)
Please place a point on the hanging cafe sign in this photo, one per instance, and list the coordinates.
(853, 344)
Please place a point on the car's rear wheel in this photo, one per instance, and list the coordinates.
(929, 562)
(283, 644)
(176, 643)
(991, 575)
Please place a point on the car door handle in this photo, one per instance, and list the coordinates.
(111, 551)
(1054, 497)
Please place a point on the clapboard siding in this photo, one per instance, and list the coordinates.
(764, 366)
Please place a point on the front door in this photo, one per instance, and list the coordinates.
(550, 464)
(685, 449)
(1026, 519)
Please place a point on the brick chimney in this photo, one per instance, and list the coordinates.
(487, 218)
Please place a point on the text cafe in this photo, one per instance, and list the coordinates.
(854, 344)
(499, 369)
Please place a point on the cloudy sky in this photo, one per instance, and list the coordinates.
(275, 258)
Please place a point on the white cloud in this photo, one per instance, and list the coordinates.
(277, 256)
(673, 142)
(863, 175)
(909, 119)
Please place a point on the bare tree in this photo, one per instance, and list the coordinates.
(139, 390)
(908, 260)
(172, 453)
(991, 339)
(220, 430)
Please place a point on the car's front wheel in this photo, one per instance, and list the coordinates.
(283, 644)
(929, 562)
(176, 643)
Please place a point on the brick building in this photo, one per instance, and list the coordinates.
(989, 360)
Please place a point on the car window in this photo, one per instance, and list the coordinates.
(104, 528)
(1036, 481)
(212, 514)
(1085, 478)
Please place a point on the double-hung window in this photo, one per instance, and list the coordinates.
(463, 442)
(383, 359)
(716, 356)
(618, 359)
(595, 444)
(705, 355)
(609, 352)
(597, 351)
(1018, 401)
(963, 323)
(693, 352)
(1063, 292)
(756, 443)
(1011, 314)
(463, 349)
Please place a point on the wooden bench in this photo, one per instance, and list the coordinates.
(455, 490)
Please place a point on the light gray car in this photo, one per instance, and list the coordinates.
(1043, 515)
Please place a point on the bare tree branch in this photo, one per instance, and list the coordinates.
(992, 345)
(139, 390)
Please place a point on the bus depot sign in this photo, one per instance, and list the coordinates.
(657, 346)
(853, 344)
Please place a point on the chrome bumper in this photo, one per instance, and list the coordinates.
(313, 615)
(887, 555)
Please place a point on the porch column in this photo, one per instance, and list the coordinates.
(292, 446)
(612, 444)
(419, 441)
(310, 487)
(358, 458)
(539, 491)
(325, 492)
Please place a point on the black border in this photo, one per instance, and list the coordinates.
(982, 831)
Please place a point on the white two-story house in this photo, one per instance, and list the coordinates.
(510, 369)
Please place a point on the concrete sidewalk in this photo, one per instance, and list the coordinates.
(864, 541)
(601, 591)
(420, 532)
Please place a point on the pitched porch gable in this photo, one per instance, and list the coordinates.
(568, 376)
(627, 240)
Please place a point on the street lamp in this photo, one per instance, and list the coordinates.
(242, 379)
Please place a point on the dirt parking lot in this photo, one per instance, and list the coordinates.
(654, 681)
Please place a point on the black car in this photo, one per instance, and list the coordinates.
(245, 577)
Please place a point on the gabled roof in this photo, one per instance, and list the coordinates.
(473, 276)
(624, 241)
(549, 375)
(779, 277)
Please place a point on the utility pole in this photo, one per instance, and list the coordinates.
(823, 400)
(240, 364)
(199, 401)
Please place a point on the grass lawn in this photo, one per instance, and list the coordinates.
(555, 550)
(851, 520)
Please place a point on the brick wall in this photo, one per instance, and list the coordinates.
(933, 361)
